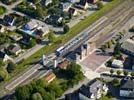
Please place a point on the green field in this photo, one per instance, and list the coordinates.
(2, 10)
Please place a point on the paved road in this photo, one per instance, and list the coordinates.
(10, 8)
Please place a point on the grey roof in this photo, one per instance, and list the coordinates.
(128, 45)
(2, 55)
(14, 48)
(129, 84)
(92, 88)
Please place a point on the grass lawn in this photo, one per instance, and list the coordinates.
(2, 10)
(105, 98)
(73, 32)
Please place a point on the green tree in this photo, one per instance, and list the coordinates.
(132, 73)
(99, 5)
(10, 67)
(66, 28)
(37, 96)
(51, 37)
(118, 72)
(3, 75)
(55, 87)
(32, 43)
(111, 71)
(117, 49)
(22, 93)
(125, 72)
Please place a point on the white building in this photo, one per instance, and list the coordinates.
(117, 63)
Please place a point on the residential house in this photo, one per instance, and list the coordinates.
(32, 28)
(74, 1)
(127, 89)
(128, 47)
(49, 76)
(2, 29)
(83, 4)
(63, 64)
(93, 91)
(117, 63)
(73, 11)
(54, 20)
(4, 57)
(92, 1)
(14, 49)
(65, 6)
(9, 20)
(46, 2)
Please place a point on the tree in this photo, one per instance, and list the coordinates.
(125, 72)
(10, 67)
(37, 96)
(66, 28)
(55, 87)
(99, 5)
(115, 82)
(3, 75)
(117, 49)
(118, 72)
(132, 74)
(111, 71)
(32, 43)
(35, 1)
(22, 93)
(51, 37)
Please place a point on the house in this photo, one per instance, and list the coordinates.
(117, 63)
(14, 49)
(127, 89)
(128, 47)
(65, 6)
(73, 11)
(46, 2)
(2, 29)
(93, 90)
(92, 1)
(33, 29)
(49, 76)
(63, 64)
(9, 20)
(83, 4)
(73, 1)
(4, 57)
(54, 20)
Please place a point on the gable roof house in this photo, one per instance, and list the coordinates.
(14, 49)
(9, 20)
(65, 6)
(83, 4)
(50, 76)
(4, 57)
(128, 47)
(92, 1)
(32, 28)
(127, 89)
(73, 11)
(46, 2)
(93, 91)
(73, 1)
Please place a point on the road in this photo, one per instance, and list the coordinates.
(10, 8)
(93, 32)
